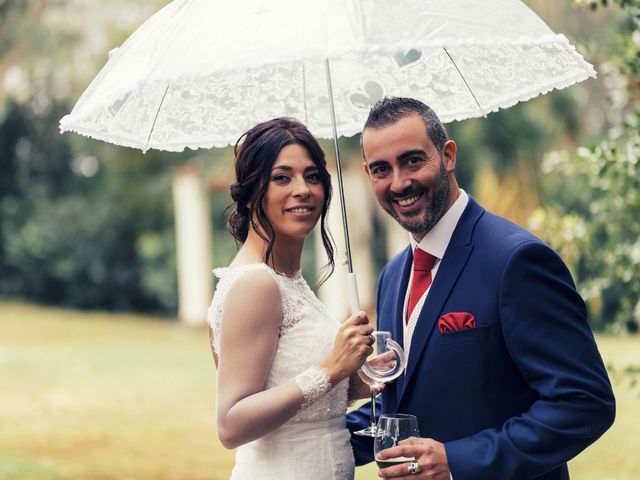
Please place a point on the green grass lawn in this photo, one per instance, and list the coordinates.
(99, 396)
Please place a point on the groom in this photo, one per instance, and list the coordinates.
(503, 372)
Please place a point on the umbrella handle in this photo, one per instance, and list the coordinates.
(352, 293)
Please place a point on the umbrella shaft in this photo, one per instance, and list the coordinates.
(343, 206)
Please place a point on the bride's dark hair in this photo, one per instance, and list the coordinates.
(255, 153)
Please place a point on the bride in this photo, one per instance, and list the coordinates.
(285, 367)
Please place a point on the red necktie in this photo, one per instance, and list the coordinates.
(422, 265)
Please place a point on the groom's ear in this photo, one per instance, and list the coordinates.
(366, 168)
(449, 154)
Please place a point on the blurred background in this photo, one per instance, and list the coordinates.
(106, 253)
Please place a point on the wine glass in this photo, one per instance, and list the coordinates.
(385, 363)
(391, 429)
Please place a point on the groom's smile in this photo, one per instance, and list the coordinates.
(409, 203)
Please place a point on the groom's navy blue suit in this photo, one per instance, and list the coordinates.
(520, 394)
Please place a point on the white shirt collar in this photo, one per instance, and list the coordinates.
(437, 239)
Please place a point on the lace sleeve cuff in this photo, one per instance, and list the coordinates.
(314, 383)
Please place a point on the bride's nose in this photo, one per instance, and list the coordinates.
(301, 189)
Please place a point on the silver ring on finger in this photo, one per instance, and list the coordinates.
(414, 468)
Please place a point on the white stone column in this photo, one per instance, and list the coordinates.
(333, 291)
(193, 245)
(360, 210)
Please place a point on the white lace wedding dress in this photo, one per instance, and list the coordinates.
(315, 442)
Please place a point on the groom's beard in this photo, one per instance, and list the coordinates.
(434, 210)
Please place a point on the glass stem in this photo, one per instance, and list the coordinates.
(373, 409)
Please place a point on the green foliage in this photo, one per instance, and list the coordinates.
(82, 223)
(87, 239)
(594, 4)
(627, 54)
(601, 234)
(593, 220)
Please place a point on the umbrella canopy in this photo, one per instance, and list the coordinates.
(200, 72)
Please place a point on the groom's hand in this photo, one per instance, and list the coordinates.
(429, 454)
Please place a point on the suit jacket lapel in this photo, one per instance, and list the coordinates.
(451, 266)
(399, 293)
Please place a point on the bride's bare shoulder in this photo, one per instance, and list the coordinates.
(254, 278)
(254, 294)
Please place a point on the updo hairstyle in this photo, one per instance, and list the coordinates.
(255, 154)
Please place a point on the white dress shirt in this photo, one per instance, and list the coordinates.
(434, 242)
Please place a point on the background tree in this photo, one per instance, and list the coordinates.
(593, 214)
(82, 223)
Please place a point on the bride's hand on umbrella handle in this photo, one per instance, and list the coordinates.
(352, 346)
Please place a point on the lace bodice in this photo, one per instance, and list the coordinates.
(307, 335)
(315, 442)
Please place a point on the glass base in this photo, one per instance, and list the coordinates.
(370, 431)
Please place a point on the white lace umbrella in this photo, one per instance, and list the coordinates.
(200, 72)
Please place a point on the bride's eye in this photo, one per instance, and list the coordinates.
(280, 178)
(313, 178)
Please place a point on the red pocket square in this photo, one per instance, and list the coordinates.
(454, 321)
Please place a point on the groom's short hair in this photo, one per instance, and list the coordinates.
(389, 110)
